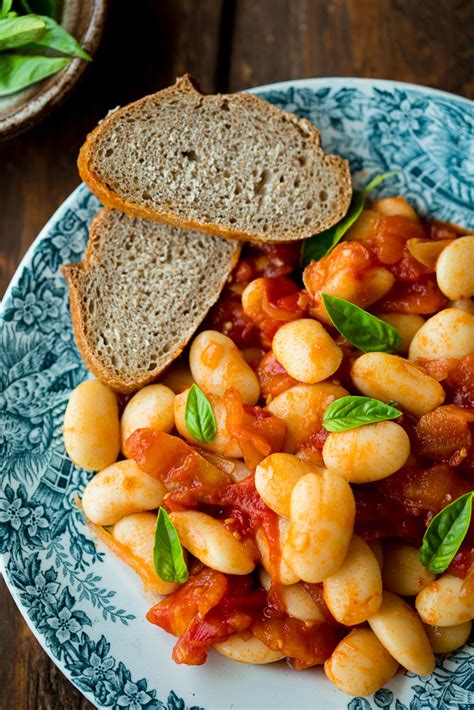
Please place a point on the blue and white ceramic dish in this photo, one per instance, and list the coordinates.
(86, 607)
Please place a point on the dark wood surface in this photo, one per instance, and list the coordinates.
(227, 45)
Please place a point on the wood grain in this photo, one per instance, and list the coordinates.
(226, 44)
(407, 40)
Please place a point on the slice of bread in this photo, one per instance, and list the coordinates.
(140, 293)
(226, 164)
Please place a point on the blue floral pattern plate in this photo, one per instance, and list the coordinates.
(86, 607)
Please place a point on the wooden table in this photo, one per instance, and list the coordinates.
(228, 45)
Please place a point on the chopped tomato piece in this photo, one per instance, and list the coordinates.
(444, 434)
(379, 517)
(315, 443)
(463, 562)
(422, 297)
(273, 377)
(457, 376)
(232, 615)
(426, 490)
(246, 513)
(306, 645)
(207, 609)
(193, 599)
(161, 455)
(257, 431)
(388, 236)
(442, 230)
(228, 317)
(341, 273)
(178, 465)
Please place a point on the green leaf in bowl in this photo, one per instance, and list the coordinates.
(5, 7)
(17, 71)
(57, 38)
(17, 31)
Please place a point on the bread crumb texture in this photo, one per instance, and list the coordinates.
(230, 161)
(140, 294)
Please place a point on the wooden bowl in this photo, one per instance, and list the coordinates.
(85, 20)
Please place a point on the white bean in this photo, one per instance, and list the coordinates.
(359, 664)
(464, 304)
(446, 639)
(136, 533)
(286, 575)
(322, 512)
(207, 539)
(403, 572)
(91, 426)
(455, 268)
(246, 648)
(407, 324)
(439, 604)
(354, 592)
(297, 602)
(224, 443)
(395, 207)
(306, 350)
(400, 630)
(150, 408)
(216, 364)
(275, 477)
(368, 453)
(449, 333)
(302, 408)
(377, 549)
(119, 490)
(389, 377)
(178, 378)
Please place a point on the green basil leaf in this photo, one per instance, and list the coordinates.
(17, 31)
(351, 412)
(5, 7)
(320, 245)
(360, 328)
(57, 38)
(199, 417)
(445, 534)
(18, 71)
(168, 556)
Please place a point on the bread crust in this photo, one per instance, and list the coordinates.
(111, 199)
(72, 274)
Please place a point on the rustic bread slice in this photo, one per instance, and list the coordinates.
(140, 293)
(230, 164)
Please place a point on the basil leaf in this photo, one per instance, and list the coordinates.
(199, 417)
(18, 70)
(5, 8)
(351, 412)
(57, 38)
(321, 244)
(17, 31)
(168, 556)
(445, 534)
(360, 328)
